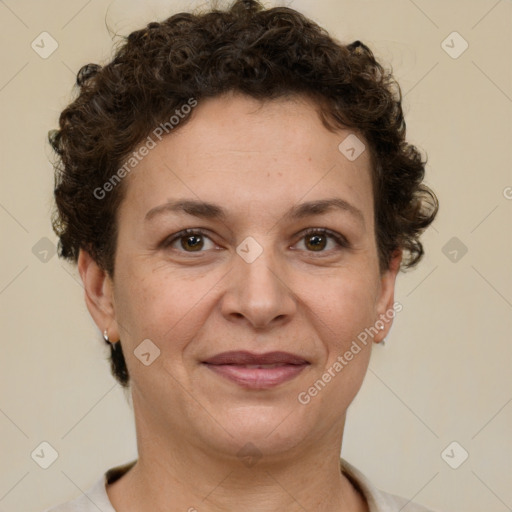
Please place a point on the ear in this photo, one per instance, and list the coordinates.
(385, 309)
(99, 297)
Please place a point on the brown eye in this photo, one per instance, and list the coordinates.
(316, 242)
(190, 240)
(194, 242)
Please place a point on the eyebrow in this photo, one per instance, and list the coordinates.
(208, 210)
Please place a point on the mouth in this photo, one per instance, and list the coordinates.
(257, 371)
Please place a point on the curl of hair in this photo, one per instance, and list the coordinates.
(264, 53)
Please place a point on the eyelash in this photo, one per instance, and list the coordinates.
(340, 240)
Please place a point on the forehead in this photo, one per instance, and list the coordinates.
(237, 150)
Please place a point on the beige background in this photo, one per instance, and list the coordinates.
(445, 372)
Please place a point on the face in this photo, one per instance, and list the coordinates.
(280, 270)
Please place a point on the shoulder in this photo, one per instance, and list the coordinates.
(393, 503)
(96, 497)
(92, 500)
(80, 504)
(379, 501)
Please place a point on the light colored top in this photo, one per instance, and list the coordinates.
(96, 497)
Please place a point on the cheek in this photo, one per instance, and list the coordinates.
(342, 313)
(160, 306)
(344, 308)
(164, 311)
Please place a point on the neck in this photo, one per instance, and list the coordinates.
(177, 473)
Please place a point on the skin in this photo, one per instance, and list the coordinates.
(256, 160)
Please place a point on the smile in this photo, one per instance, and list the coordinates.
(257, 377)
(257, 371)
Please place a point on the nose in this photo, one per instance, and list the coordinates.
(258, 292)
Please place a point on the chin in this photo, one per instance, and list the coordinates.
(260, 431)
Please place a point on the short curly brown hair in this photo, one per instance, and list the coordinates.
(263, 53)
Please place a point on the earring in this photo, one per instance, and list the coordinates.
(381, 328)
(384, 340)
(105, 336)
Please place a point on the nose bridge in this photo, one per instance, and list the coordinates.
(258, 290)
(258, 269)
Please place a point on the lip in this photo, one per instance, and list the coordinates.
(242, 357)
(241, 367)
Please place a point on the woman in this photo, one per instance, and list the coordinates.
(238, 194)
